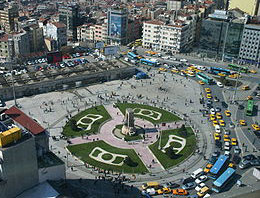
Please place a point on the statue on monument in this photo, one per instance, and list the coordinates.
(129, 126)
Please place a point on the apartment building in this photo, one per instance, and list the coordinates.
(250, 45)
(4, 51)
(173, 38)
(93, 33)
(7, 18)
(58, 32)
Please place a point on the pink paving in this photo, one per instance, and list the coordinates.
(141, 147)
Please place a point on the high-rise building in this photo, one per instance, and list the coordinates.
(69, 15)
(220, 35)
(250, 45)
(4, 52)
(117, 26)
(7, 18)
(251, 7)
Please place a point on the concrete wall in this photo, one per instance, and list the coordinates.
(57, 84)
(52, 173)
(20, 169)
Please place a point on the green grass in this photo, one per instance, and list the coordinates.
(166, 116)
(186, 152)
(118, 160)
(82, 151)
(107, 156)
(99, 110)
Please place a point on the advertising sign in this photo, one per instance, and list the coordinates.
(118, 26)
(99, 45)
(110, 50)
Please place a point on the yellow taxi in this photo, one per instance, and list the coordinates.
(242, 122)
(209, 96)
(246, 87)
(231, 165)
(234, 141)
(216, 136)
(227, 113)
(226, 138)
(222, 123)
(255, 127)
(124, 53)
(218, 115)
(201, 82)
(253, 71)
(162, 69)
(175, 71)
(212, 117)
(207, 168)
(221, 74)
(215, 123)
(208, 90)
(164, 191)
(249, 98)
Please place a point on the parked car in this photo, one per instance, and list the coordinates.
(189, 186)
(201, 179)
(236, 159)
(224, 104)
(172, 185)
(244, 164)
(237, 150)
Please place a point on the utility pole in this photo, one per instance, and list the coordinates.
(235, 91)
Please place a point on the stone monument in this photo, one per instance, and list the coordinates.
(129, 126)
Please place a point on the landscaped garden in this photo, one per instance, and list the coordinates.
(102, 155)
(153, 114)
(86, 122)
(172, 157)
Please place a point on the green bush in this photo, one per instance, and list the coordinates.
(170, 152)
(128, 161)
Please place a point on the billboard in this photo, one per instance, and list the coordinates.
(117, 26)
(110, 50)
(99, 45)
(54, 57)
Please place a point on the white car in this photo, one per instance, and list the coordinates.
(227, 153)
(201, 179)
(217, 129)
(183, 60)
(151, 191)
(198, 188)
(126, 59)
(220, 84)
(212, 111)
(166, 57)
(173, 58)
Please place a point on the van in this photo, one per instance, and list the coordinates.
(217, 129)
(197, 173)
(150, 185)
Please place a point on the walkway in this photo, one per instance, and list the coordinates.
(141, 147)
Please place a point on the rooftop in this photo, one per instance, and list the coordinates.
(24, 120)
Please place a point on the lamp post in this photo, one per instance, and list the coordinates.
(233, 99)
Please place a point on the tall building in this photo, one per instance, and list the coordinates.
(220, 35)
(251, 7)
(21, 43)
(7, 18)
(25, 159)
(117, 26)
(250, 45)
(69, 15)
(58, 32)
(173, 38)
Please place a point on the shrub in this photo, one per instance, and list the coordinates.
(128, 161)
(170, 152)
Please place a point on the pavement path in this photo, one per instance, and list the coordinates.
(140, 147)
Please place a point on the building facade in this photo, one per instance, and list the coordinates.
(174, 4)
(117, 27)
(69, 15)
(21, 43)
(4, 47)
(251, 7)
(172, 38)
(220, 35)
(7, 18)
(250, 45)
(58, 32)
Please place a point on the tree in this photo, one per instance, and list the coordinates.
(170, 152)
(73, 125)
(183, 130)
(128, 161)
